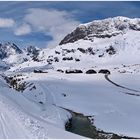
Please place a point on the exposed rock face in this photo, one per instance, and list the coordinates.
(77, 34)
(102, 29)
(73, 71)
(111, 50)
(59, 70)
(40, 71)
(104, 71)
(68, 58)
(33, 52)
(91, 71)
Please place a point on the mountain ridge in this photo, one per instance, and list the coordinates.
(102, 28)
(111, 44)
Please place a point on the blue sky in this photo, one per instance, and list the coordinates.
(45, 23)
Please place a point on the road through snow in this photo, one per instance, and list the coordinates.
(118, 85)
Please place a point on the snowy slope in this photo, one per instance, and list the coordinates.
(21, 118)
(113, 109)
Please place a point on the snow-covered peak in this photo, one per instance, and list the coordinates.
(118, 20)
(7, 49)
(104, 42)
(105, 28)
(112, 24)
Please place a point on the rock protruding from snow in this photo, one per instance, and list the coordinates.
(102, 29)
(33, 52)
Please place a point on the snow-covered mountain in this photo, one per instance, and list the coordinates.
(11, 54)
(8, 49)
(50, 93)
(101, 42)
(106, 28)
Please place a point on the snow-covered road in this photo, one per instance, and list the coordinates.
(121, 86)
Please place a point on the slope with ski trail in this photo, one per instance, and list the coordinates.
(21, 118)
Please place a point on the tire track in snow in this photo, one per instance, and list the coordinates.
(21, 111)
(53, 98)
(40, 128)
(2, 130)
(10, 127)
(5, 127)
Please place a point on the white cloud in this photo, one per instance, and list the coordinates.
(22, 30)
(54, 23)
(6, 22)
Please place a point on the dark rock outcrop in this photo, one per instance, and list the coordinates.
(111, 50)
(73, 71)
(77, 34)
(82, 50)
(104, 71)
(40, 71)
(67, 58)
(91, 71)
(33, 52)
(77, 59)
(59, 70)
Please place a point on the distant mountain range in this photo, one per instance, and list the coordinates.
(11, 54)
(101, 42)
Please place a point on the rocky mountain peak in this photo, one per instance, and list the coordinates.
(105, 28)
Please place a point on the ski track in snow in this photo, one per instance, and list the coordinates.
(47, 91)
(17, 121)
(28, 118)
(10, 125)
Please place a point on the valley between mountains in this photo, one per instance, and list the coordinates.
(90, 79)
